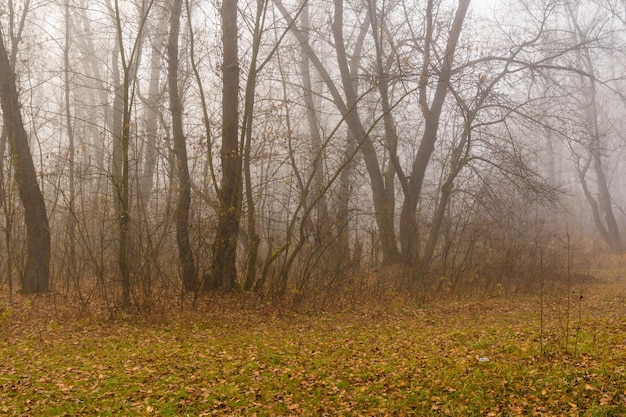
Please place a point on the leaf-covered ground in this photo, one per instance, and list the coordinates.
(502, 356)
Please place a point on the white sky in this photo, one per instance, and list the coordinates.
(483, 7)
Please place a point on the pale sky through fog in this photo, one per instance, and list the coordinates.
(483, 7)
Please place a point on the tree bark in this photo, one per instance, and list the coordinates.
(225, 244)
(158, 41)
(432, 115)
(334, 245)
(383, 204)
(603, 208)
(36, 269)
(185, 255)
(71, 208)
(382, 193)
(121, 137)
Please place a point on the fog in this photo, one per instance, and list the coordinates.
(286, 147)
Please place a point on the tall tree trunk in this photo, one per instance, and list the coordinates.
(383, 82)
(36, 270)
(71, 215)
(121, 185)
(95, 94)
(148, 149)
(334, 245)
(121, 175)
(115, 124)
(604, 216)
(151, 113)
(382, 193)
(185, 255)
(246, 137)
(383, 204)
(120, 125)
(225, 244)
(432, 115)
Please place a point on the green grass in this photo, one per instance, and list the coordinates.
(398, 361)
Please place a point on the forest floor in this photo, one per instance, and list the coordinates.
(560, 354)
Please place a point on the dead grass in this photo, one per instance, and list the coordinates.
(504, 355)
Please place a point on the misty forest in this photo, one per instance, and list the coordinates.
(313, 207)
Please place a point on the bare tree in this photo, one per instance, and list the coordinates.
(348, 105)
(603, 214)
(71, 197)
(122, 123)
(431, 111)
(190, 280)
(225, 244)
(36, 271)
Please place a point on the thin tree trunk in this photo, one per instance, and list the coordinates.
(151, 114)
(120, 124)
(334, 246)
(614, 238)
(383, 208)
(185, 255)
(457, 163)
(246, 136)
(384, 204)
(609, 229)
(121, 174)
(71, 211)
(606, 204)
(6, 201)
(96, 96)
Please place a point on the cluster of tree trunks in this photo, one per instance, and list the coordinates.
(454, 92)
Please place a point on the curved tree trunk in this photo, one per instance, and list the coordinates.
(602, 206)
(36, 270)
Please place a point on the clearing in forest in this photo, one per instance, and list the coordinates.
(564, 355)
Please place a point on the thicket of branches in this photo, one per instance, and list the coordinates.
(451, 146)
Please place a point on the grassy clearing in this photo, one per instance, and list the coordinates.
(400, 360)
